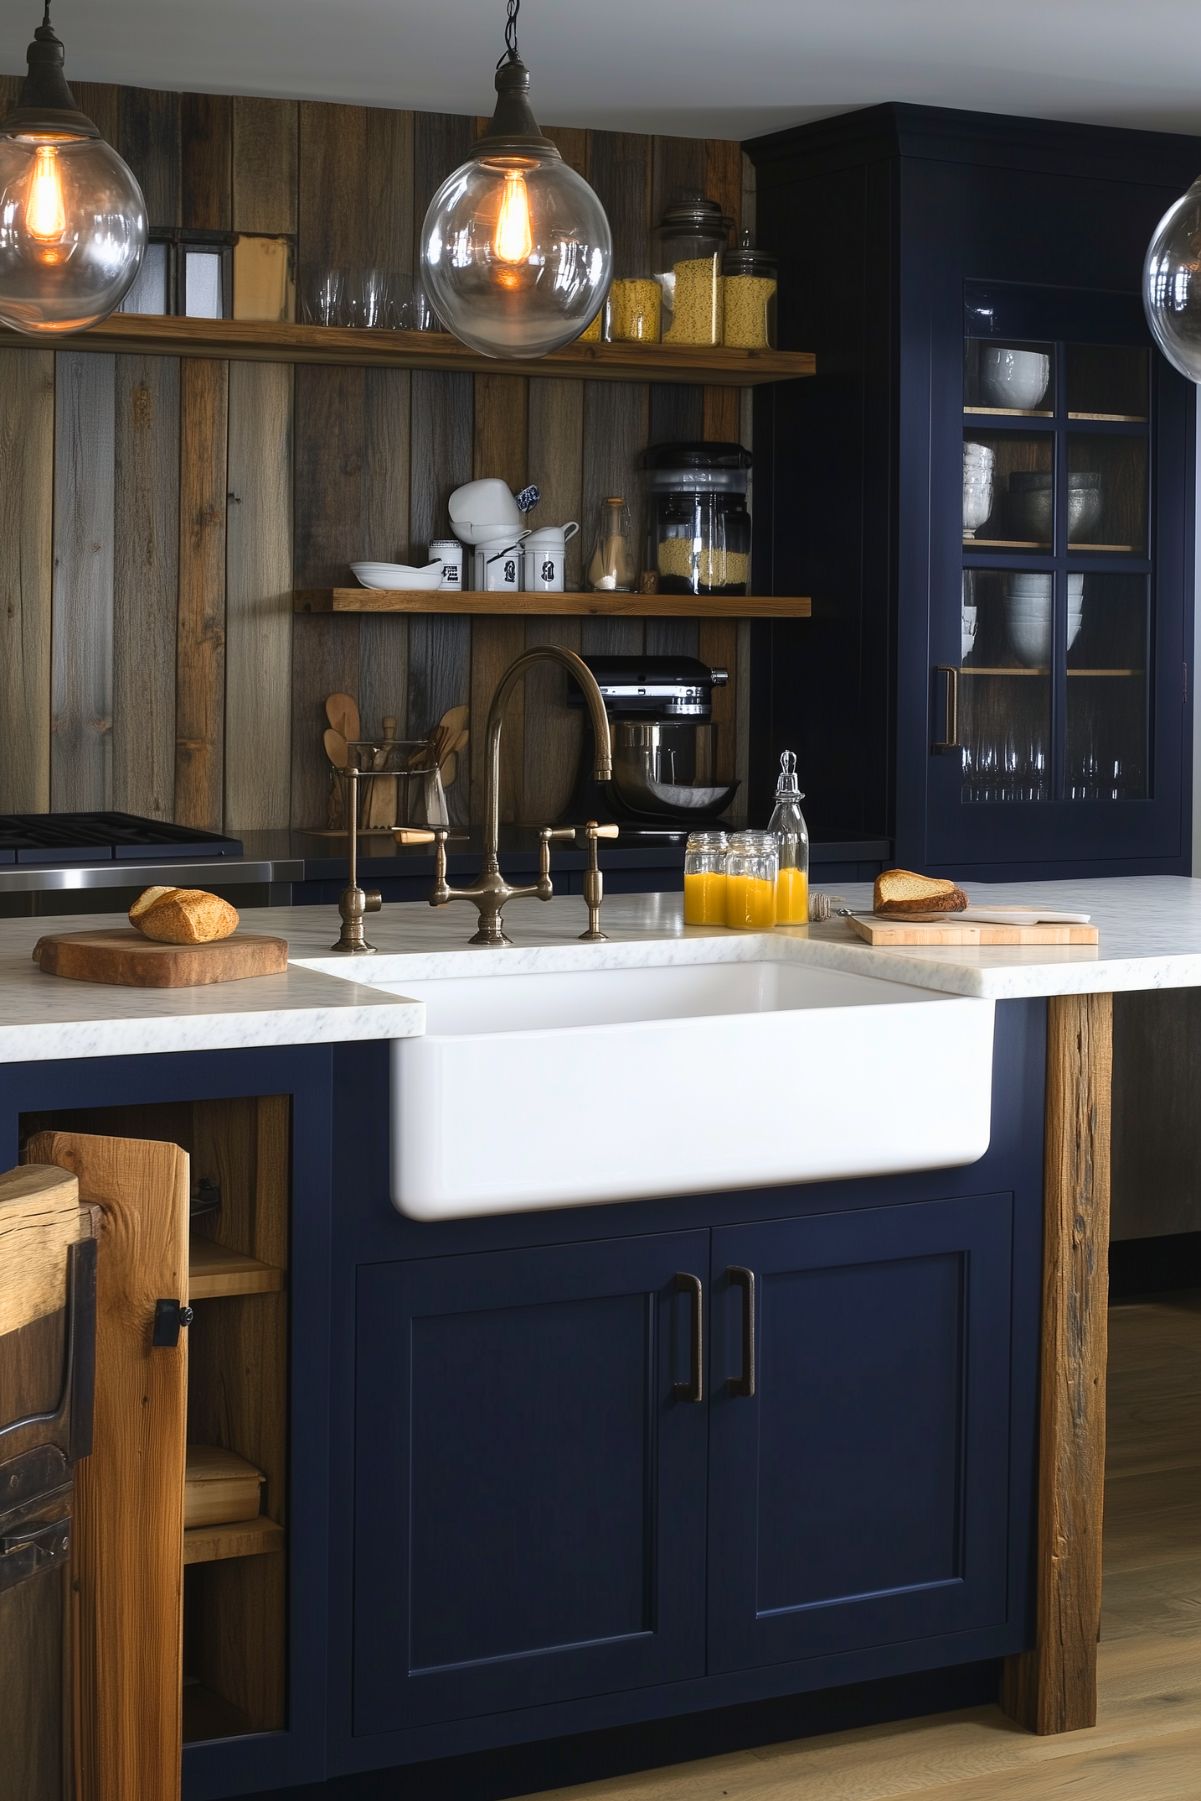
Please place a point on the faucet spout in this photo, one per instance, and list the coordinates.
(491, 891)
(580, 673)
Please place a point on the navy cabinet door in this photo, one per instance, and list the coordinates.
(530, 1488)
(859, 1495)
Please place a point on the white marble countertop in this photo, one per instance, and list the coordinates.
(1150, 938)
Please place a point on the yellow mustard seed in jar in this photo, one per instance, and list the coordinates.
(634, 311)
(696, 308)
(748, 301)
(713, 567)
(591, 332)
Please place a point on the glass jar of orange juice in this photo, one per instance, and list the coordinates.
(752, 866)
(705, 879)
(788, 823)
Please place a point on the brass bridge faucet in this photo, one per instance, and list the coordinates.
(490, 892)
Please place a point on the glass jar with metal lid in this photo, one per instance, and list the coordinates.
(689, 242)
(749, 297)
(698, 528)
(705, 879)
(752, 866)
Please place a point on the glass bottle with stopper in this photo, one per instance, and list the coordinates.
(612, 564)
(788, 823)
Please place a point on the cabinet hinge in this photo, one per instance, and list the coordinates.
(169, 1316)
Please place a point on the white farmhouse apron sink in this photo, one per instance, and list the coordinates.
(596, 1084)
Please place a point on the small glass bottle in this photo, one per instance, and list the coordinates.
(612, 565)
(788, 824)
(749, 300)
(705, 879)
(752, 868)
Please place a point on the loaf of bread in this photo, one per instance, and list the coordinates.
(901, 891)
(183, 916)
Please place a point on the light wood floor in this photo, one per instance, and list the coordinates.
(1147, 1746)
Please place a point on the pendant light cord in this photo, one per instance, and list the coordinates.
(510, 54)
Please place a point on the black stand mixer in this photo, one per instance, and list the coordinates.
(660, 717)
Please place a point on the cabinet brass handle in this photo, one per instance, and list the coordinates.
(694, 1388)
(744, 1383)
(951, 741)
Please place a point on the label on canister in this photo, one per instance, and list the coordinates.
(451, 552)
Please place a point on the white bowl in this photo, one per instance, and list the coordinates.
(1030, 636)
(488, 500)
(483, 531)
(967, 631)
(977, 504)
(1016, 378)
(398, 575)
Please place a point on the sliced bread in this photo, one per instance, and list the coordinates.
(903, 891)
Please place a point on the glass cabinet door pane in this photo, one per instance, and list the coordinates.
(1107, 492)
(1107, 689)
(1008, 489)
(1107, 381)
(1005, 686)
(1008, 379)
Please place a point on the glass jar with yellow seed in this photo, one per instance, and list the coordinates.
(634, 310)
(690, 240)
(750, 286)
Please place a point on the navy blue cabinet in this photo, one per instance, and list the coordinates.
(530, 1492)
(988, 489)
(618, 1465)
(859, 1451)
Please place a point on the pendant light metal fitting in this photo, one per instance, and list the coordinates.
(514, 131)
(46, 107)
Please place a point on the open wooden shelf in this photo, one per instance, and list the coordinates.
(1006, 412)
(244, 1538)
(214, 1271)
(244, 340)
(555, 606)
(1039, 544)
(1112, 418)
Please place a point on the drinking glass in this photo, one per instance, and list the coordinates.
(322, 295)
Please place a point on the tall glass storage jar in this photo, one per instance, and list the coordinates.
(689, 242)
(749, 298)
(698, 527)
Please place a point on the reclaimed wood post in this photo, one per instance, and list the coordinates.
(1053, 1688)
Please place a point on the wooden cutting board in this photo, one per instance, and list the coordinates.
(124, 958)
(897, 932)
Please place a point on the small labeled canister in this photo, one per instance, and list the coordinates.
(451, 552)
(498, 564)
(546, 557)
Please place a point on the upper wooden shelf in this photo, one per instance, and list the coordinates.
(253, 341)
(556, 606)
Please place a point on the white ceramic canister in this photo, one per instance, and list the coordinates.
(451, 552)
(546, 557)
(498, 564)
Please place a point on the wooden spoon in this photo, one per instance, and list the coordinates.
(336, 748)
(342, 711)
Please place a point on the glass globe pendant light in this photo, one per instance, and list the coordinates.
(72, 216)
(1172, 284)
(516, 251)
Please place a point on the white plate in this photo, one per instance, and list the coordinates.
(398, 575)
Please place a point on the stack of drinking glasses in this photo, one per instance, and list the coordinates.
(978, 462)
(373, 299)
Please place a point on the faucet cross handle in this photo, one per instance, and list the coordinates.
(594, 881)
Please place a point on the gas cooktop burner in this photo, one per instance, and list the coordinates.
(60, 838)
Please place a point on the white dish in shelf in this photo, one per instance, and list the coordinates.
(398, 575)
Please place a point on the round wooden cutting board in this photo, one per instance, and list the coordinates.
(124, 958)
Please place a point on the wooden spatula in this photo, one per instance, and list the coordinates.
(342, 711)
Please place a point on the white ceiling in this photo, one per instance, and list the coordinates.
(724, 68)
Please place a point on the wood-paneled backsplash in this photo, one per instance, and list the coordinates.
(156, 514)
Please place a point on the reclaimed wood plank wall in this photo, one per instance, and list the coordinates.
(156, 514)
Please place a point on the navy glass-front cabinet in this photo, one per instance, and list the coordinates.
(987, 489)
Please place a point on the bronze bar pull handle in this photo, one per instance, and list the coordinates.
(744, 1384)
(951, 741)
(694, 1388)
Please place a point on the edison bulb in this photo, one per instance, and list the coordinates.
(1172, 284)
(516, 253)
(72, 231)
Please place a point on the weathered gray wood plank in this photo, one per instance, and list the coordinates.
(82, 682)
(26, 575)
